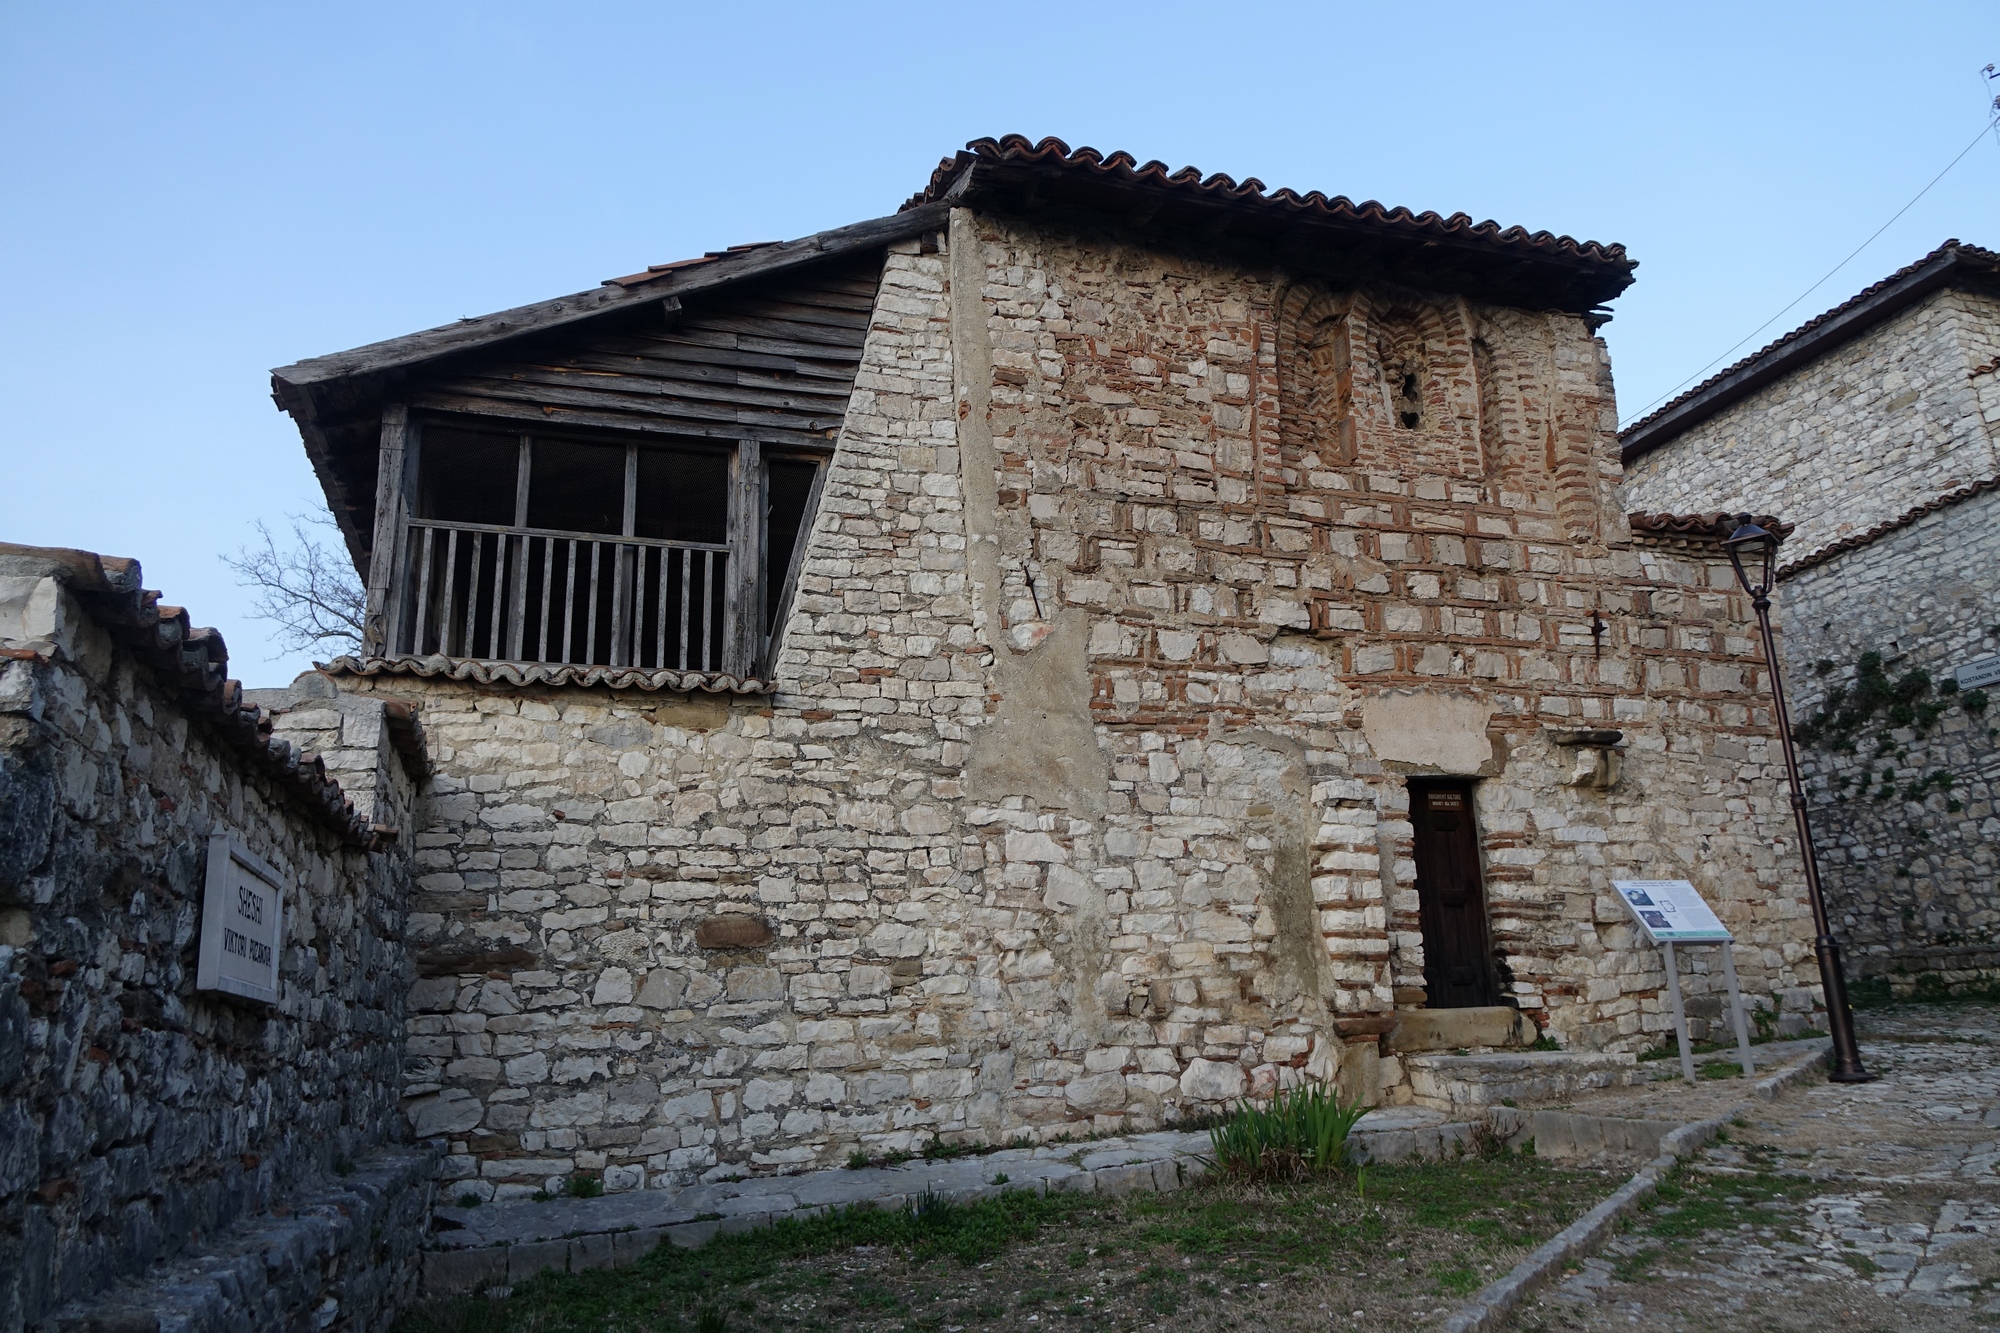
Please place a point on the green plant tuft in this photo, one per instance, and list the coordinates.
(1302, 1129)
(584, 1185)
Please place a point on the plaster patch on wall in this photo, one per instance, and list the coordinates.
(1441, 732)
(1041, 742)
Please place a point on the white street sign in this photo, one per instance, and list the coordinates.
(1979, 672)
(242, 923)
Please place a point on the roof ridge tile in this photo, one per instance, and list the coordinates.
(1120, 164)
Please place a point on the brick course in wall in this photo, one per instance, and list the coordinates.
(1082, 799)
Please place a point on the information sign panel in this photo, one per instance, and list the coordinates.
(242, 923)
(1670, 911)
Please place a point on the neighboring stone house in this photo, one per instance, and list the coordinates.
(1090, 646)
(1876, 429)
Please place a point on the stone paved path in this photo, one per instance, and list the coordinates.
(1899, 1228)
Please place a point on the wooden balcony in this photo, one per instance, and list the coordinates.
(530, 595)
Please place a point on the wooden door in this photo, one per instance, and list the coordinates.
(1458, 970)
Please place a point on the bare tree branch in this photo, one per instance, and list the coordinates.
(306, 587)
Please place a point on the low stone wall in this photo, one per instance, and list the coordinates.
(341, 1256)
(143, 1121)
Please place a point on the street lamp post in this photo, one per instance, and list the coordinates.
(1758, 545)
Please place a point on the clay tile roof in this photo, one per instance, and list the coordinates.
(672, 266)
(438, 667)
(1881, 530)
(1817, 336)
(1699, 529)
(1123, 168)
(193, 664)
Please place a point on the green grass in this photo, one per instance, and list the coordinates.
(1876, 992)
(1671, 1050)
(1222, 1249)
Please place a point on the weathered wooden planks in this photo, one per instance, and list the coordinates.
(773, 363)
(640, 290)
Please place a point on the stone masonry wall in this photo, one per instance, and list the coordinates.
(1881, 425)
(1082, 802)
(142, 1121)
(1911, 865)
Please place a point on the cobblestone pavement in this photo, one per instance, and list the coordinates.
(1859, 1207)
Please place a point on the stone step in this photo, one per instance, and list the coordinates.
(497, 1245)
(342, 1252)
(1462, 1085)
(1496, 1025)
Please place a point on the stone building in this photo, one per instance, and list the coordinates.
(1094, 644)
(1876, 429)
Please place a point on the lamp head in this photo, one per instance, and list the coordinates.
(1754, 553)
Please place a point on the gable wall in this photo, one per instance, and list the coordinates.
(1908, 831)
(1083, 802)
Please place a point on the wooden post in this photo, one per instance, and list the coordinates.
(395, 472)
(746, 558)
(518, 609)
(620, 585)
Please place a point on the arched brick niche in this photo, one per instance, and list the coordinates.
(1379, 380)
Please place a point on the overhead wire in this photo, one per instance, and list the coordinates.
(1992, 124)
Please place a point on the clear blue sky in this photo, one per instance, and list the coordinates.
(194, 194)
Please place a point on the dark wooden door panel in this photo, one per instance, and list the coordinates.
(1458, 973)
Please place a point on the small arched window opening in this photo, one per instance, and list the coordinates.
(1410, 401)
(1405, 362)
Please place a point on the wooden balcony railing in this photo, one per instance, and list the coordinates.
(533, 595)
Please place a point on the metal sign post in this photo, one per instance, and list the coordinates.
(1671, 912)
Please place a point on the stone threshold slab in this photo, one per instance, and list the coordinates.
(496, 1245)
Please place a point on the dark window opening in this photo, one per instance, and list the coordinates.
(577, 486)
(468, 476)
(787, 496)
(1410, 401)
(683, 495)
